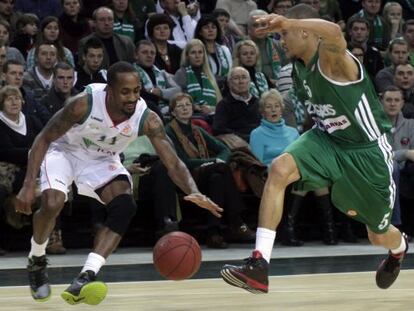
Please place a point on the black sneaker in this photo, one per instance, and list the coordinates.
(38, 278)
(251, 275)
(389, 268)
(84, 289)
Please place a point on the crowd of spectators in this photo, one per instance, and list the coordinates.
(223, 89)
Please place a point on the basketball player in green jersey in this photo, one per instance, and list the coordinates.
(347, 149)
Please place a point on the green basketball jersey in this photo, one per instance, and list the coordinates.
(349, 111)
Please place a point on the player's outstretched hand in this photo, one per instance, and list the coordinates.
(204, 202)
(269, 23)
(24, 200)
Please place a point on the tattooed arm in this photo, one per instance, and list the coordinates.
(177, 170)
(73, 111)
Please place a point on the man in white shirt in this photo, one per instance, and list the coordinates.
(185, 24)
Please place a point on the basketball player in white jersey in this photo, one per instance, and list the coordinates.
(81, 144)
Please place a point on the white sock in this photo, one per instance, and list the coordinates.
(400, 248)
(265, 239)
(37, 249)
(94, 263)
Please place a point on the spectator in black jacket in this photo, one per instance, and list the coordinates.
(91, 71)
(62, 88)
(238, 112)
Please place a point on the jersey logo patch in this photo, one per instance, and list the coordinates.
(333, 124)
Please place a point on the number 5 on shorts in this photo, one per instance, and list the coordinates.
(385, 221)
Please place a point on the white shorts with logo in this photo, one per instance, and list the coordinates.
(60, 169)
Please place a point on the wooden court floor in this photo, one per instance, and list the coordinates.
(313, 292)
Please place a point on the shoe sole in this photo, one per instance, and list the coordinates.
(41, 299)
(390, 278)
(92, 294)
(241, 281)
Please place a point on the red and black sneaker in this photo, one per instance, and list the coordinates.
(389, 268)
(252, 275)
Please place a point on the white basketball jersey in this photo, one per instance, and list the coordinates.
(97, 136)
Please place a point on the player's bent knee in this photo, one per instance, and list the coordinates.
(52, 203)
(283, 167)
(120, 212)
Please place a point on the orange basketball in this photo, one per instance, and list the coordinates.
(177, 256)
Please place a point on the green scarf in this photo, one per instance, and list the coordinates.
(146, 80)
(273, 53)
(261, 86)
(224, 67)
(378, 28)
(194, 152)
(202, 94)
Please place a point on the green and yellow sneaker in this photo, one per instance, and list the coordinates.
(84, 289)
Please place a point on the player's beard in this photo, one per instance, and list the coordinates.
(129, 112)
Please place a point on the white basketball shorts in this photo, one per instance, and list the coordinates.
(60, 169)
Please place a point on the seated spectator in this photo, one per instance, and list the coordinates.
(357, 51)
(195, 78)
(379, 32)
(168, 54)
(268, 140)
(398, 54)
(116, 47)
(158, 83)
(229, 35)
(206, 158)
(239, 11)
(25, 36)
(279, 6)
(238, 112)
(208, 31)
(404, 80)
(184, 23)
(39, 79)
(91, 71)
(9, 15)
(125, 21)
(246, 54)
(40, 8)
(358, 33)
(152, 182)
(13, 75)
(272, 56)
(11, 52)
(17, 133)
(392, 15)
(62, 88)
(49, 33)
(73, 25)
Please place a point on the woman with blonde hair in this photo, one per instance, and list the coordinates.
(392, 14)
(246, 54)
(195, 78)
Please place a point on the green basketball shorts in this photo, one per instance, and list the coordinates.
(360, 176)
